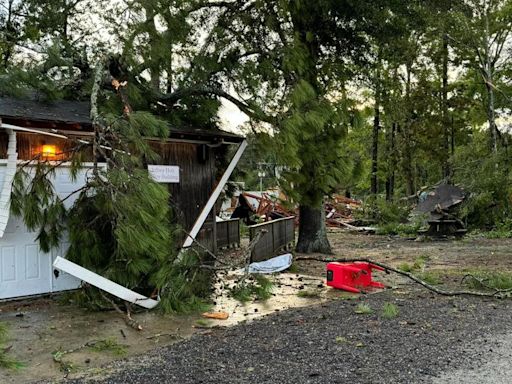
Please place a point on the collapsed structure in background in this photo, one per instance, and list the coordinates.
(440, 206)
(253, 207)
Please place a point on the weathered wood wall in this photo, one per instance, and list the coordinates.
(197, 178)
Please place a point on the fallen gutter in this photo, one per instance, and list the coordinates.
(103, 283)
(213, 198)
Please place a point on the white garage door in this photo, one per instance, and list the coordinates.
(26, 270)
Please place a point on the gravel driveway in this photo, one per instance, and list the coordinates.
(330, 343)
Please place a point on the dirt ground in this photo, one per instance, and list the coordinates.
(42, 326)
(449, 259)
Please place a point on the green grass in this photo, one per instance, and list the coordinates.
(203, 323)
(110, 345)
(363, 309)
(341, 340)
(258, 287)
(489, 280)
(432, 277)
(6, 361)
(308, 293)
(389, 311)
(405, 267)
(293, 268)
(418, 265)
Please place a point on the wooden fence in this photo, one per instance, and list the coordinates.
(279, 238)
(228, 233)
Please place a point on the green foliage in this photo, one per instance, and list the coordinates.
(488, 181)
(110, 345)
(363, 309)
(187, 286)
(430, 277)
(384, 212)
(489, 280)
(309, 293)
(418, 265)
(119, 226)
(6, 361)
(256, 287)
(389, 311)
(501, 230)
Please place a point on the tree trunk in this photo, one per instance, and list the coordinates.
(390, 181)
(488, 78)
(312, 231)
(444, 111)
(406, 134)
(374, 182)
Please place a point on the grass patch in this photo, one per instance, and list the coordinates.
(432, 278)
(389, 311)
(256, 287)
(293, 268)
(418, 265)
(489, 280)
(308, 293)
(405, 267)
(363, 309)
(110, 345)
(6, 361)
(203, 323)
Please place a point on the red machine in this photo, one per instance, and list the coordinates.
(352, 277)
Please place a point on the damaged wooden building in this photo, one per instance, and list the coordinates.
(30, 127)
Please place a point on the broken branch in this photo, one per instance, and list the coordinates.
(497, 293)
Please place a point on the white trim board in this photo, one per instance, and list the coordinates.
(103, 283)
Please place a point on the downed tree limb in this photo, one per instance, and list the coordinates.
(125, 315)
(496, 293)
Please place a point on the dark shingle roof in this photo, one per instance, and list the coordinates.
(64, 111)
(78, 112)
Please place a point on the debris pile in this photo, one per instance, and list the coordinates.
(440, 206)
(339, 210)
(265, 206)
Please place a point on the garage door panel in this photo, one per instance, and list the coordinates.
(32, 262)
(8, 264)
(63, 281)
(26, 270)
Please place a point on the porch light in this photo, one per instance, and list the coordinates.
(49, 150)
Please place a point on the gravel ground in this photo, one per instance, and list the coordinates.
(432, 336)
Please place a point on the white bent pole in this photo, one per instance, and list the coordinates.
(214, 196)
(103, 283)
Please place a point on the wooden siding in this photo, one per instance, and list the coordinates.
(197, 178)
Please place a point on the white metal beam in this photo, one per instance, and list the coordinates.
(214, 196)
(103, 283)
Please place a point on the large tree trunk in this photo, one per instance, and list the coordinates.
(390, 181)
(489, 86)
(312, 231)
(374, 182)
(444, 109)
(407, 137)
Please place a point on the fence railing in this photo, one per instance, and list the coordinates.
(278, 238)
(228, 233)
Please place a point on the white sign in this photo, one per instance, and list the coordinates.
(164, 173)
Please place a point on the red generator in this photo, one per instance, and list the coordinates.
(352, 277)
